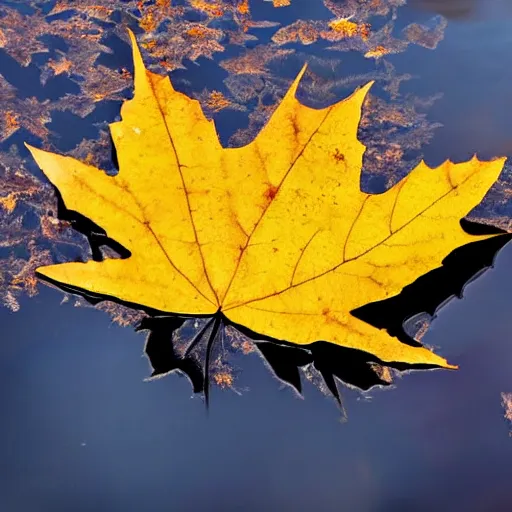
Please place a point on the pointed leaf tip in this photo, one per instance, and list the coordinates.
(295, 84)
(35, 152)
(302, 70)
(138, 64)
(130, 33)
(364, 89)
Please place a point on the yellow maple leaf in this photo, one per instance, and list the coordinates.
(276, 236)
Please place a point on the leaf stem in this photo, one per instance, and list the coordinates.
(197, 338)
(209, 346)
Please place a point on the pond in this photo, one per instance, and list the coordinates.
(82, 430)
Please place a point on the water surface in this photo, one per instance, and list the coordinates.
(82, 431)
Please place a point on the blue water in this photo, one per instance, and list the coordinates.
(82, 431)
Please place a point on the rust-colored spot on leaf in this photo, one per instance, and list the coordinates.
(271, 192)
(338, 155)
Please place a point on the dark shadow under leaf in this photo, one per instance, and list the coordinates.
(162, 353)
